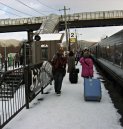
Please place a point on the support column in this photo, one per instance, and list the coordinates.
(30, 35)
(6, 57)
(122, 58)
(28, 46)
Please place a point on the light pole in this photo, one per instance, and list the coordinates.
(80, 41)
(66, 29)
(76, 37)
(5, 58)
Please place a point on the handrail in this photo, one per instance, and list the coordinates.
(69, 17)
(93, 15)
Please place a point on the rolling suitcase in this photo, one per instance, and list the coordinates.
(73, 76)
(92, 89)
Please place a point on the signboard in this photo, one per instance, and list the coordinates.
(40, 75)
(72, 37)
(72, 40)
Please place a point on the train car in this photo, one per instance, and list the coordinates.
(108, 53)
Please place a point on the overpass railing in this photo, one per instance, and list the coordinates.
(22, 21)
(69, 17)
(93, 15)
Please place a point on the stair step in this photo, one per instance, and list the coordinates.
(12, 81)
(5, 96)
(10, 84)
(6, 92)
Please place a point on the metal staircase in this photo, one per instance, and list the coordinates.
(49, 25)
(9, 83)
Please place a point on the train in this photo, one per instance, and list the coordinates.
(108, 54)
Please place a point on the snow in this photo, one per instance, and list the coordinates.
(68, 111)
(49, 37)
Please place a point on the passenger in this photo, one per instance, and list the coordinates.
(81, 54)
(59, 70)
(87, 65)
(78, 55)
(71, 62)
(17, 59)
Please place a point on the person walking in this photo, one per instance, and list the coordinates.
(77, 56)
(71, 62)
(59, 70)
(17, 59)
(87, 64)
(71, 67)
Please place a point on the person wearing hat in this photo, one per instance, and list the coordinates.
(87, 64)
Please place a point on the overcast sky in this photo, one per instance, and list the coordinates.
(29, 8)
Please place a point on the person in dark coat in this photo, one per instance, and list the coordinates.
(77, 57)
(59, 70)
(17, 59)
(71, 62)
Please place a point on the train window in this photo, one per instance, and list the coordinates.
(103, 52)
(118, 54)
(111, 48)
(108, 53)
(112, 54)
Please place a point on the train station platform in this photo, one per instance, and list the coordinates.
(68, 111)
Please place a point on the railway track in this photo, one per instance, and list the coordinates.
(115, 91)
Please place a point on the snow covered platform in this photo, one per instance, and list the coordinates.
(68, 111)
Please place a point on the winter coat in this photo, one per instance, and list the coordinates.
(71, 63)
(87, 67)
(59, 64)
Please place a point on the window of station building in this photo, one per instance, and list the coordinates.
(44, 52)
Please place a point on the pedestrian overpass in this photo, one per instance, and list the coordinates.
(55, 23)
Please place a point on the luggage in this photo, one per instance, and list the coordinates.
(92, 89)
(76, 70)
(73, 76)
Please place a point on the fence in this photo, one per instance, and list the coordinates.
(20, 86)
